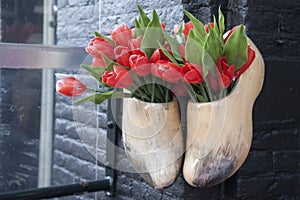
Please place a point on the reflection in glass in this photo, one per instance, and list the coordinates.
(22, 21)
(20, 117)
(20, 92)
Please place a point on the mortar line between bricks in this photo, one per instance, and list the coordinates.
(59, 150)
(263, 9)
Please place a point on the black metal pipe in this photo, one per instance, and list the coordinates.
(112, 142)
(58, 191)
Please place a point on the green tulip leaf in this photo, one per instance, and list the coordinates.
(138, 30)
(200, 97)
(143, 18)
(212, 51)
(108, 62)
(193, 49)
(198, 25)
(154, 35)
(180, 27)
(165, 51)
(216, 27)
(104, 38)
(99, 98)
(208, 64)
(221, 22)
(212, 44)
(95, 71)
(236, 48)
(174, 46)
(179, 34)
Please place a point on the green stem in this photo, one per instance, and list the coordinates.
(153, 91)
(208, 91)
(168, 85)
(143, 96)
(145, 90)
(203, 92)
(167, 96)
(161, 90)
(160, 93)
(137, 91)
(96, 90)
(147, 83)
(222, 93)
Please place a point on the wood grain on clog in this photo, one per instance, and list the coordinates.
(219, 133)
(153, 140)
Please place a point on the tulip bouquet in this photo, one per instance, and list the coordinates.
(150, 64)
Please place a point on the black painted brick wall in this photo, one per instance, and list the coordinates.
(271, 170)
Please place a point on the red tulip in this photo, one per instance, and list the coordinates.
(138, 52)
(186, 28)
(121, 35)
(97, 46)
(181, 49)
(191, 73)
(251, 56)
(226, 72)
(139, 64)
(167, 71)
(135, 43)
(122, 55)
(155, 56)
(98, 62)
(70, 86)
(118, 77)
(163, 26)
(206, 26)
(109, 78)
(159, 55)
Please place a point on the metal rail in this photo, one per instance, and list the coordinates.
(58, 191)
(40, 56)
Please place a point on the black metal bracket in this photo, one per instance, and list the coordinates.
(112, 142)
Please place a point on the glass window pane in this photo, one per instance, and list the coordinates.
(20, 103)
(22, 21)
(20, 118)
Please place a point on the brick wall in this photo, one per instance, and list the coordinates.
(80, 131)
(202, 9)
(271, 170)
(76, 21)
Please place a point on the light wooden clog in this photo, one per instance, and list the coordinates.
(153, 140)
(219, 133)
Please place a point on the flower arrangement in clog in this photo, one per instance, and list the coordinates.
(154, 65)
